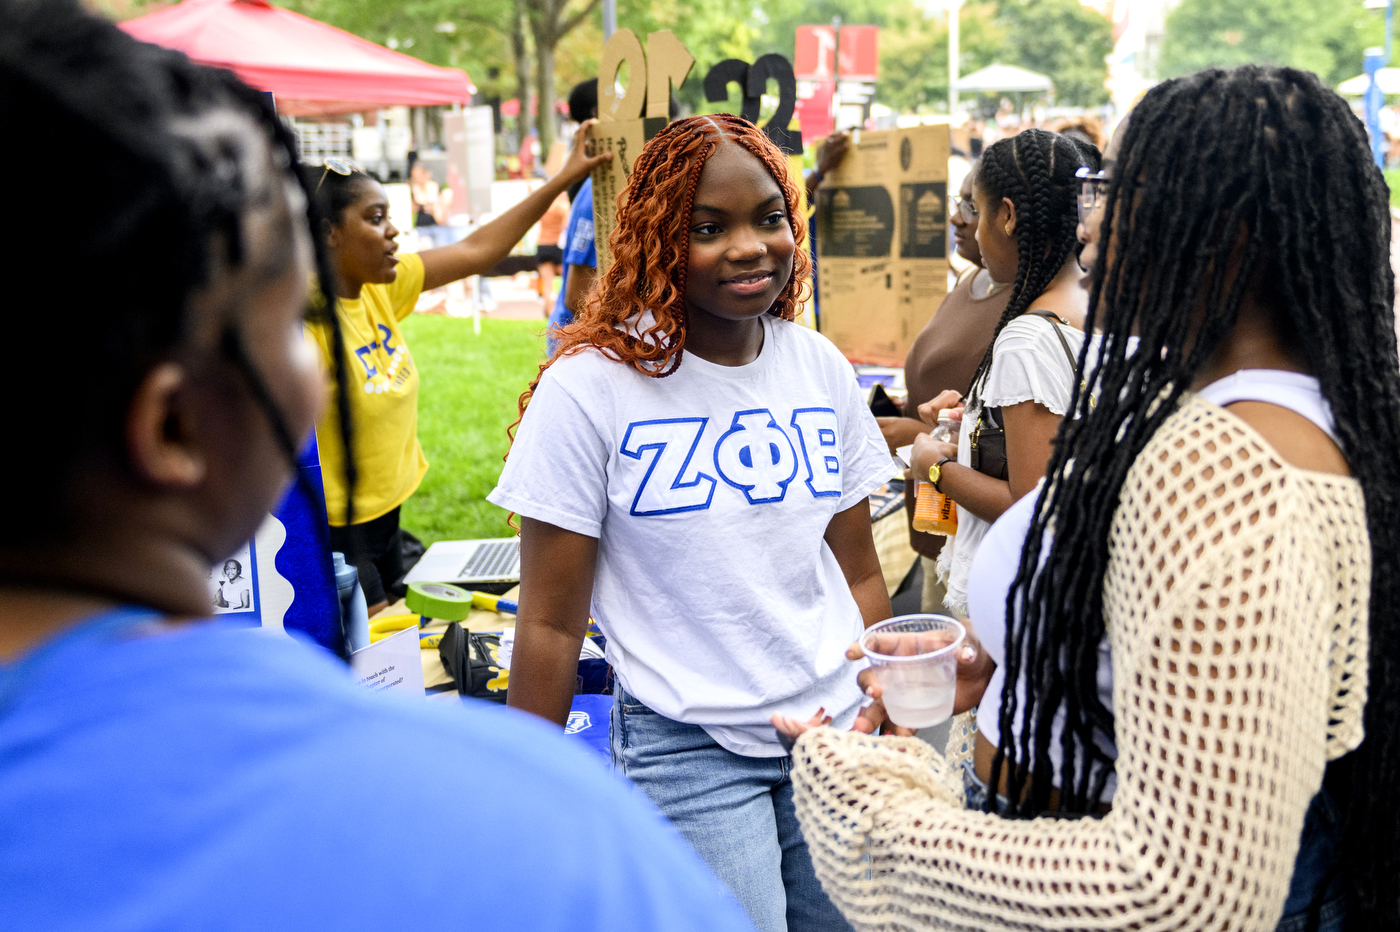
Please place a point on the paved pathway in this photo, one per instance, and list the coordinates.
(515, 298)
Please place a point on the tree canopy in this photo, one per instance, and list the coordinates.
(1323, 36)
(1062, 39)
(500, 42)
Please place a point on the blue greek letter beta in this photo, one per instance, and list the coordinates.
(816, 430)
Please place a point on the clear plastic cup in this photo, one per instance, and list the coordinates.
(915, 659)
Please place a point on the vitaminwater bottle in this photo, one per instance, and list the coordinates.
(934, 512)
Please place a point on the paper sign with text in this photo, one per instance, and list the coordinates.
(391, 665)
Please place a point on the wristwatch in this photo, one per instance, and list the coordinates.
(935, 472)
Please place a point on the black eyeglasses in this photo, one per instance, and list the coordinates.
(340, 167)
(1093, 189)
(964, 208)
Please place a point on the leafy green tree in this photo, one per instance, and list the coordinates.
(441, 32)
(550, 21)
(519, 35)
(120, 10)
(914, 53)
(1062, 39)
(1322, 36)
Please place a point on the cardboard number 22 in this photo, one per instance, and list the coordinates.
(665, 64)
(752, 81)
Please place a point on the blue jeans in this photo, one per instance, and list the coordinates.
(1317, 854)
(737, 812)
(1317, 857)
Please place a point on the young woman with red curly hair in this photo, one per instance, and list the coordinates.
(693, 469)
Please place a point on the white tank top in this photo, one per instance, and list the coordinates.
(999, 555)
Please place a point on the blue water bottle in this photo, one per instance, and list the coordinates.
(352, 602)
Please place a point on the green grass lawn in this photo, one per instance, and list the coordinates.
(467, 397)
(1392, 178)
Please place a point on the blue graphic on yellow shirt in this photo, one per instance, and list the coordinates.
(756, 455)
(376, 381)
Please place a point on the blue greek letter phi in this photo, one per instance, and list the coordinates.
(757, 457)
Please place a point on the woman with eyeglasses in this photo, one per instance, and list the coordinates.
(947, 351)
(375, 413)
(945, 356)
(1023, 195)
(1197, 685)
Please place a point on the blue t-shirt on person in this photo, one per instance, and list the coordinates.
(580, 248)
(203, 777)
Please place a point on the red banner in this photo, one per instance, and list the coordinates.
(815, 58)
(814, 111)
(859, 58)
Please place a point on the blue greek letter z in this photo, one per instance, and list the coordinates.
(665, 488)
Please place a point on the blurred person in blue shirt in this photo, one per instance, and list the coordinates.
(158, 771)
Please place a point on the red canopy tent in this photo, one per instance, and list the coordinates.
(313, 69)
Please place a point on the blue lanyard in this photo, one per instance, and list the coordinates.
(15, 677)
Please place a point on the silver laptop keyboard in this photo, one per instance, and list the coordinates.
(493, 561)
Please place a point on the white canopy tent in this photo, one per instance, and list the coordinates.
(1005, 78)
(1387, 78)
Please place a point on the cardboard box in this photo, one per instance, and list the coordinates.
(625, 139)
(626, 122)
(882, 242)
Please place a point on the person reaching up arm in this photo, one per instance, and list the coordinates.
(376, 411)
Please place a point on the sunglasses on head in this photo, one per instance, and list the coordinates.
(340, 167)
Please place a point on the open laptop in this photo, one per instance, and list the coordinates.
(491, 565)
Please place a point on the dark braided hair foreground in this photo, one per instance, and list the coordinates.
(1035, 170)
(151, 187)
(1262, 179)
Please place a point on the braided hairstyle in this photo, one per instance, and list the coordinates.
(651, 248)
(153, 184)
(331, 195)
(1035, 169)
(1229, 182)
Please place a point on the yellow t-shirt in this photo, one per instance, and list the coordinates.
(383, 399)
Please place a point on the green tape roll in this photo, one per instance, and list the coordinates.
(439, 600)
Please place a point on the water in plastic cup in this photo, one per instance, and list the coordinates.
(915, 659)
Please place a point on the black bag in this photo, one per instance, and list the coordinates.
(988, 441)
(471, 660)
(987, 447)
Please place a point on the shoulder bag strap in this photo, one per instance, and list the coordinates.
(1057, 319)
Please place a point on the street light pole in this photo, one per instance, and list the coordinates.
(609, 19)
(836, 69)
(1376, 59)
(953, 51)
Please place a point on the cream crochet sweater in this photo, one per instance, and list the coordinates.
(1236, 603)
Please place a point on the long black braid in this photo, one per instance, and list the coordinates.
(1035, 169)
(1254, 179)
(147, 198)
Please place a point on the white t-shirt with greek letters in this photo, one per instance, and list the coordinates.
(710, 491)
